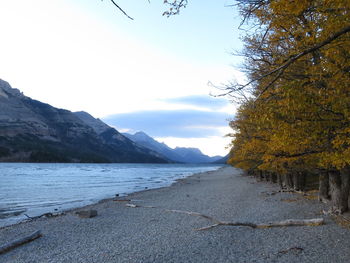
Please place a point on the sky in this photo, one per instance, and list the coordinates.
(149, 74)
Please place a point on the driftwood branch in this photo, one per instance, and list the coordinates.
(142, 206)
(47, 215)
(290, 249)
(288, 222)
(20, 241)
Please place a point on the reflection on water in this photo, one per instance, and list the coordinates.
(34, 189)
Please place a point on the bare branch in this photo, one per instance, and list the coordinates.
(121, 9)
(280, 69)
(294, 58)
(175, 7)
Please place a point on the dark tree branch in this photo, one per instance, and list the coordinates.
(297, 154)
(279, 70)
(121, 10)
(175, 7)
(294, 58)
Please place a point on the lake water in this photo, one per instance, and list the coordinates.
(34, 189)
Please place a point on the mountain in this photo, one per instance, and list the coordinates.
(194, 155)
(32, 131)
(112, 137)
(143, 139)
(96, 124)
(222, 160)
(179, 154)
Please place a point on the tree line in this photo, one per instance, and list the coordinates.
(293, 120)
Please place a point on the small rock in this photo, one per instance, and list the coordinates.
(87, 213)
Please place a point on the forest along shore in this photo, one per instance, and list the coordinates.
(144, 230)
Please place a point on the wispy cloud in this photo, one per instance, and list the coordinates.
(203, 101)
(172, 123)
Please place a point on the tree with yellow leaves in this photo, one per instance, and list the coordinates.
(297, 60)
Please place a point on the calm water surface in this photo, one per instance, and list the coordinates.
(34, 189)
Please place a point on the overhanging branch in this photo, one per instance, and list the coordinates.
(279, 70)
(121, 10)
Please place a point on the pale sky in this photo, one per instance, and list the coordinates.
(85, 55)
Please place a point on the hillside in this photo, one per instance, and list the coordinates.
(32, 131)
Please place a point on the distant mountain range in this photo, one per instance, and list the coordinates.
(32, 131)
(179, 154)
(222, 160)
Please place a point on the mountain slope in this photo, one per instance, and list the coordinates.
(146, 141)
(222, 160)
(194, 155)
(96, 124)
(112, 137)
(179, 154)
(32, 131)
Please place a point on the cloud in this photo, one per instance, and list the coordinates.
(204, 101)
(172, 123)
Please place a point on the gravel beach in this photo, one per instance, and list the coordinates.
(143, 234)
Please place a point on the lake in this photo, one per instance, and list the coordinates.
(33, 189)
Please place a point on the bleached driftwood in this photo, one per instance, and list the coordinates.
(143, 206)
(20, 241)
(47, 215)
(284, 223)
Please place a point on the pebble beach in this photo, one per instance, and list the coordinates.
(143, 229)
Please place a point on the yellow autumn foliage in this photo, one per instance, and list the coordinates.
(299, 116)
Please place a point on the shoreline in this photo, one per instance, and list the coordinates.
(149, 233)
(75, 209)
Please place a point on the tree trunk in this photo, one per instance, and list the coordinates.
(295, 178)
(274, 177)
(335, 190)
(261, 175)
(339, 186)
(299, 181)
(323, 194)
(288, 181)
(345, 187)
(280, 180)
(303, 181)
